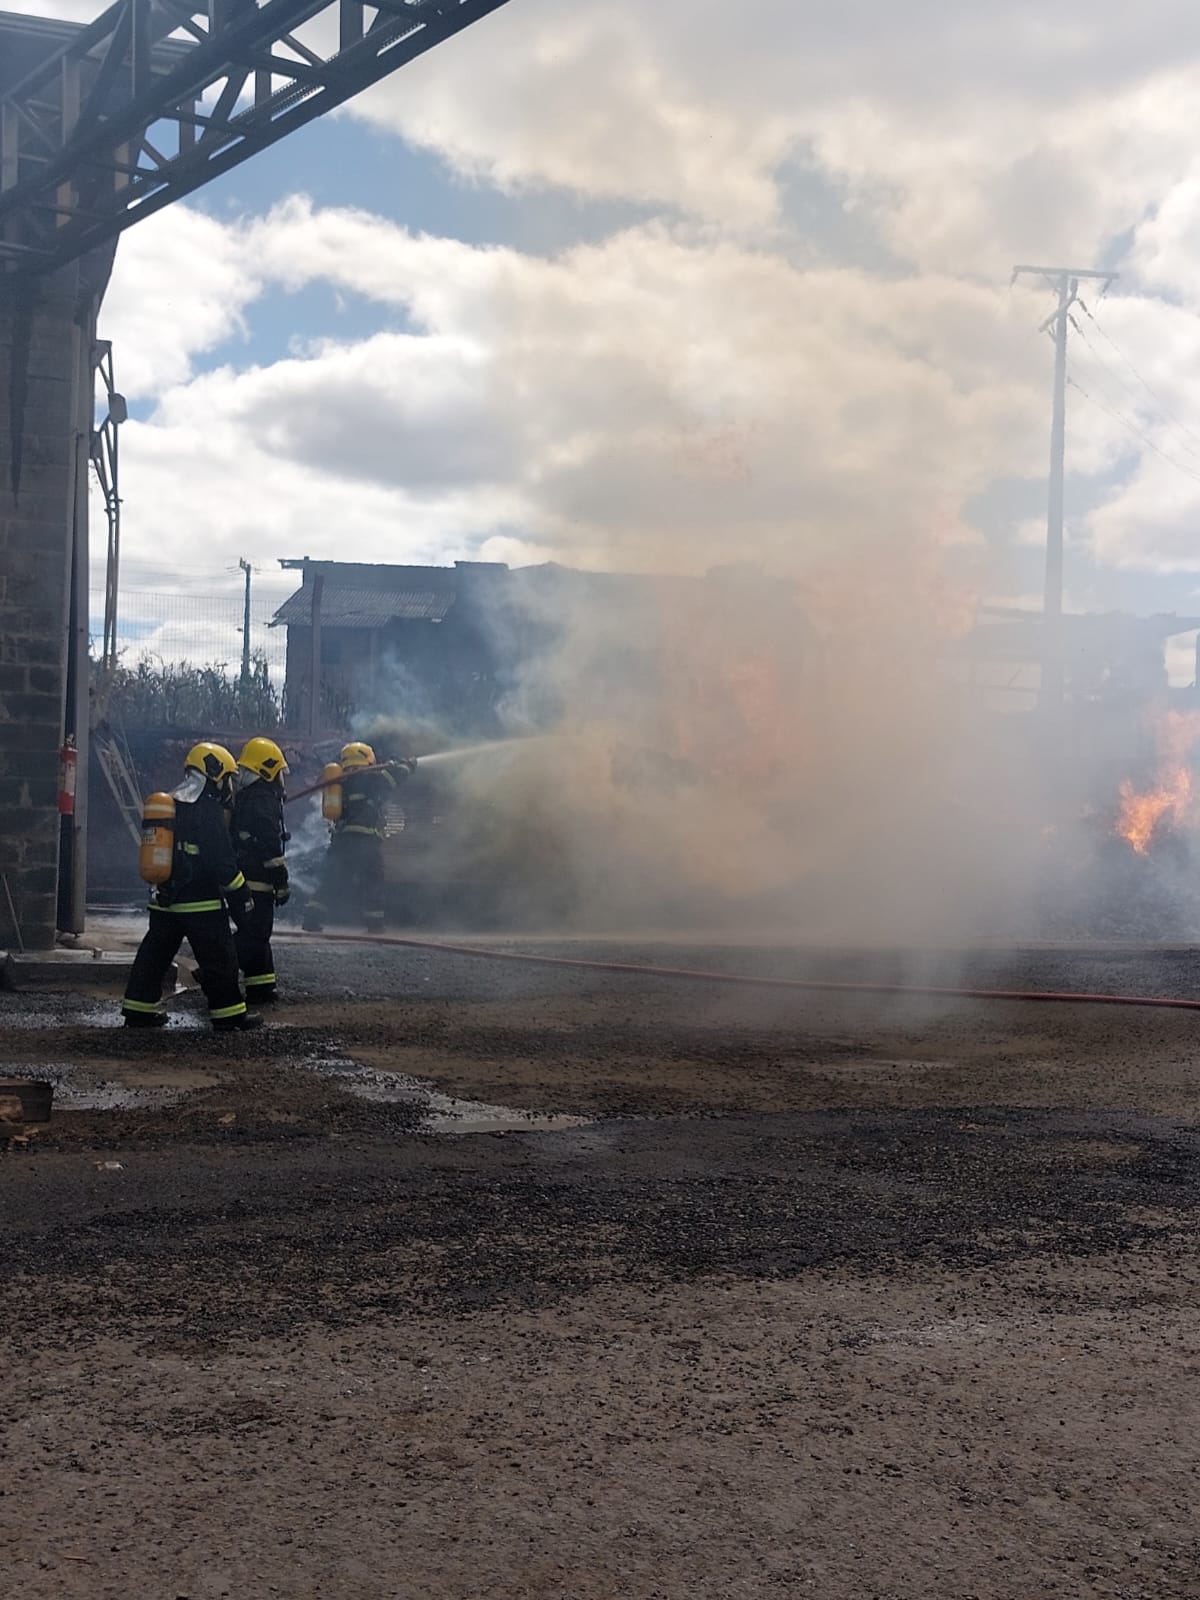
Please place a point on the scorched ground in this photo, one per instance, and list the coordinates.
(815, 1295)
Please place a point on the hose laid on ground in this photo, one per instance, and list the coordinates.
(693, 975)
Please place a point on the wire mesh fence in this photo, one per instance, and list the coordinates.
(183, 650)
(194, 615)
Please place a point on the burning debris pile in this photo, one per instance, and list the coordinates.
(1128, 868)
(828, 736)
(727, 752)
(1170, 802)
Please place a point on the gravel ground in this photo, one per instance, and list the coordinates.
(825, 1295)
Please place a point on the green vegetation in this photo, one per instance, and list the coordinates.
(177, 694)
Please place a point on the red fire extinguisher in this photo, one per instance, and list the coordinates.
(68, 759)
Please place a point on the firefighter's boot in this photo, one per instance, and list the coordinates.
(146, 1019)
(244, 1023)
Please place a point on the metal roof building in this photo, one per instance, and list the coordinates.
(451, 646)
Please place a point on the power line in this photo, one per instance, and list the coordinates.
(152, 569)
(1144, 381)
(228, 598)
(1132, 428)
(1130, 413)
(1155, 413)
(178, 566)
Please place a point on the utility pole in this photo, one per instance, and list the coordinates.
(245, 566)
(1065, 281)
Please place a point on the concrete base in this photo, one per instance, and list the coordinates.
(70, 969)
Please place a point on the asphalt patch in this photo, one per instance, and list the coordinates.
(198, 1245)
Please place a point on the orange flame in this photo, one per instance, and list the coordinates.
(1142, 813)
(1171, 798)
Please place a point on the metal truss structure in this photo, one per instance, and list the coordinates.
(156, 97)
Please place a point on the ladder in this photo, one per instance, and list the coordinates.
(116, 764)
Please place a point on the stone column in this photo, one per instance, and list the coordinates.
(45, 355)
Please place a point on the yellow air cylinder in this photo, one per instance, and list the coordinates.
(158, 839)
(331, 794)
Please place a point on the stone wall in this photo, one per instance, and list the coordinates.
(42, 332)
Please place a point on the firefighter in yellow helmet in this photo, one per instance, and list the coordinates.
(352, 877)
(206, 887)
(259, 840)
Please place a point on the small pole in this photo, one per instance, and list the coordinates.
(12, 914)
(245, 566)
(314, 693)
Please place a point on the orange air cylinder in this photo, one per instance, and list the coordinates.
(158, 839)
(331, 792)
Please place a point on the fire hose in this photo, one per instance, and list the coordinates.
(741, 979)
(328, 783)
(751, 980)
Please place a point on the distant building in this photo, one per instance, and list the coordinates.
(479, 646)
(1109, 657)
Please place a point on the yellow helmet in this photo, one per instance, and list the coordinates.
(358, 755)
(213, 760)
(264, 757)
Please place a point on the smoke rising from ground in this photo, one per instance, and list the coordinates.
(750, 749)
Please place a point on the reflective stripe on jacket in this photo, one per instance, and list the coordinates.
(203, 869)
(259, 836)
(364, 801)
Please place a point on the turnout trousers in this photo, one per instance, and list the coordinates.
(253, 943)
(352, 882)
(211, 939)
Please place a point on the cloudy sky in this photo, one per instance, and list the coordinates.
(658, 285)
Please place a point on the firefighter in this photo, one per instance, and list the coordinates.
(205, 888)
(259, 841)
(353, 874)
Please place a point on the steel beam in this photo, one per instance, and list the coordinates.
(157, 97)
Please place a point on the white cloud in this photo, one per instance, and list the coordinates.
(198, 470)
(967, 134)
(627, 120)
(1150, 524)
(180, 287)
(67, 10)
(649, 400)
(713, 379)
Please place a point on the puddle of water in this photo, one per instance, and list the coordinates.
(82, 1088)
(103, 1015)
(76, 1091)
(111, 1097)
(440, 1113)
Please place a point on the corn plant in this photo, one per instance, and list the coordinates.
(154, 693)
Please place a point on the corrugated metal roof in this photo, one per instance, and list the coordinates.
(364, 608)
(379, 575)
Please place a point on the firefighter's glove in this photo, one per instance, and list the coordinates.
(283, 895)
(406, 767)
(241, 908)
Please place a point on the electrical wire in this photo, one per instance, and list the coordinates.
(1192, 451)
(131, 564)
(1132, 428)
(1142, 379)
